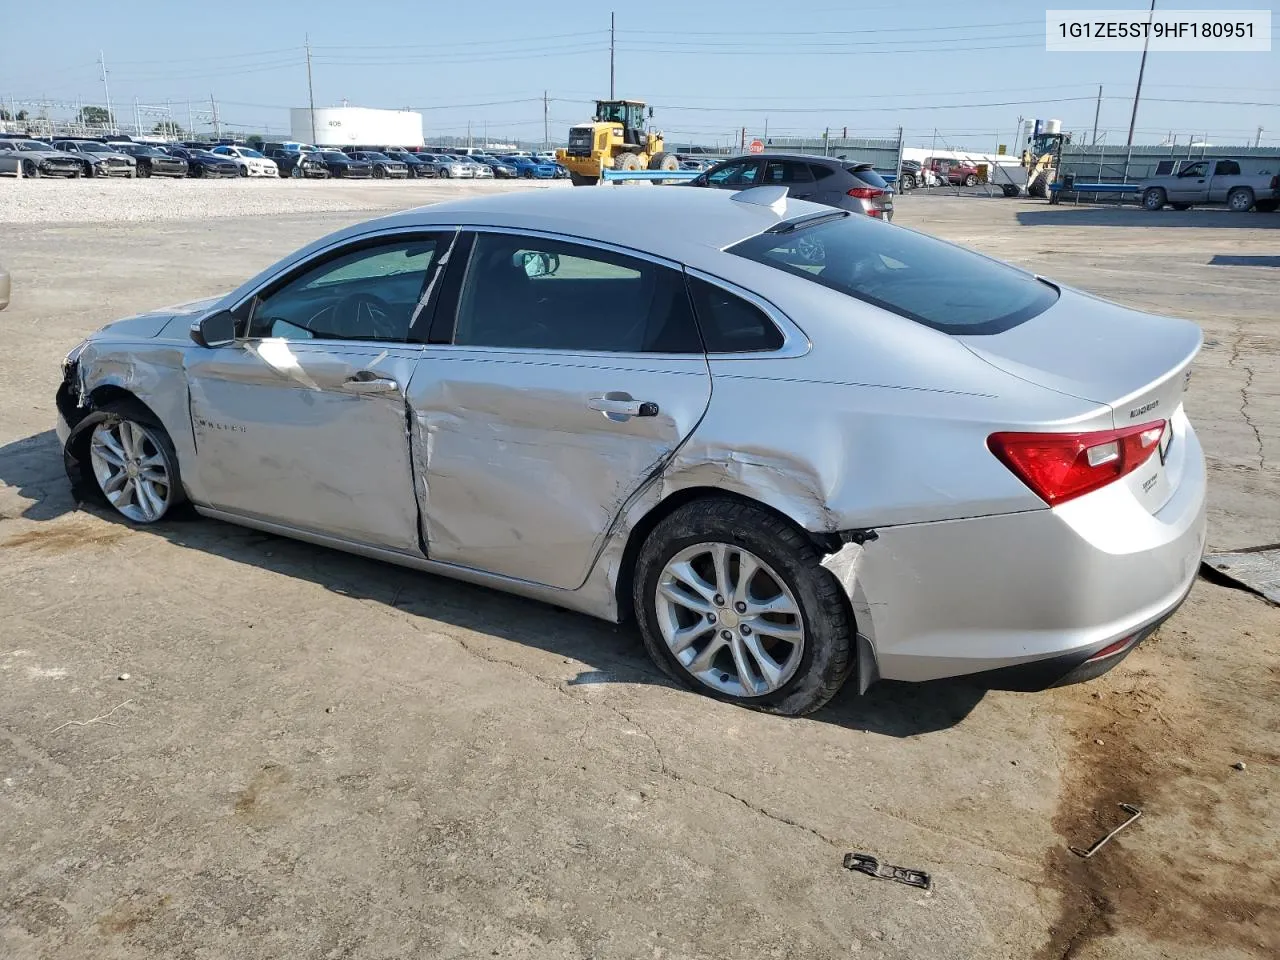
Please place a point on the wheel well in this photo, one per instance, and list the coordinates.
(640, 532)
(108, 393)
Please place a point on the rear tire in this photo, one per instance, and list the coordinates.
(1154, 199)
(1240, 200)
(664, 161)
(579, 180)
(815, 661)
(971, 181)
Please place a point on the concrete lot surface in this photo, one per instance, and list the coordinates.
(317, 756)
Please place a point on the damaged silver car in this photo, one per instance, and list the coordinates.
(795, 444)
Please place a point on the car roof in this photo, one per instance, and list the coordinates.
(677, 222)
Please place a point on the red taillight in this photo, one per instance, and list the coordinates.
(865, 193)
(1061, 466)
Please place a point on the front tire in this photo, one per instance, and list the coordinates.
(30, 170)
(908, 182)
(244, 171)
(1010, 190)
(379, 173)
(1154, 199)
(134, 464)
(732, 601)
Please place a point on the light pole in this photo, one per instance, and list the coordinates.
(1142, 66)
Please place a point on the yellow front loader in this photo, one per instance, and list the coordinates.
(616, 139)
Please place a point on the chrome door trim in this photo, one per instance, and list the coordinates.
(293, 265)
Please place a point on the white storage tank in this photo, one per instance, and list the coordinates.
(342, 126)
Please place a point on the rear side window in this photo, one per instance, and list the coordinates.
(907, 273)
(787, 171)
(730, 324)
(819, 171)
(541, 294)
(1227, 168)
(868, 176)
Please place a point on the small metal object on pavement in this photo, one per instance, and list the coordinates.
(865, 863)
(1134, 814)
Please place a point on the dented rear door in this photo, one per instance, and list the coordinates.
(530, 434)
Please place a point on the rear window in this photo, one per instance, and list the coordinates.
(868, 176)
(907, 273)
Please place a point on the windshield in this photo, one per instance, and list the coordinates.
(92, 147)
(333, 155)
(372, 155)
(246, 152)
(907, 273)
(33, 146)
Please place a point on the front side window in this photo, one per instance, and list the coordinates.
(743, 173)
(370, 294)
(1195, 170)
(530, 293)
(907, 273)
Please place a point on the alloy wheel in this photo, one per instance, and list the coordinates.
(131, 470)
(730, 620)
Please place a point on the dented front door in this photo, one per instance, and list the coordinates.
(529, 455)
(308, 433)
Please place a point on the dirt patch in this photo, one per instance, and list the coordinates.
(137, 910)
(262, 801)
(74, 534)
(1145, 735)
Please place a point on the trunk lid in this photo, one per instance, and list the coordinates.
(1133, 362)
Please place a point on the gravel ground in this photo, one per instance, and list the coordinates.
(115, 201)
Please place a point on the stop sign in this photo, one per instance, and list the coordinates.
(757, 146)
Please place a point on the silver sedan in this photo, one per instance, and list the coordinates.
(797, 446)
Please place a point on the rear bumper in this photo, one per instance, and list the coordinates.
(1025, 600)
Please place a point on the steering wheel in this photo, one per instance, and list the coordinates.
(364, 316)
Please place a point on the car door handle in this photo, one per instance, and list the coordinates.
(369, 384)
(623, 408)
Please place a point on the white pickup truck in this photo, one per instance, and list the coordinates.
(1245, 184)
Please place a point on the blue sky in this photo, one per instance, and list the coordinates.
(967, 69)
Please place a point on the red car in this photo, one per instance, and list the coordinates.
(956, 172)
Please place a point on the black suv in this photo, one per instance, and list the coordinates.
(827, 180)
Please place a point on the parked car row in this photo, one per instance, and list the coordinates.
(99, 158)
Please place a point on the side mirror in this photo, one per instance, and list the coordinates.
(216, 330)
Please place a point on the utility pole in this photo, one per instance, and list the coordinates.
(611, 35)
(213, 106)
(766, 129)
(1258, 139)
(1097, 110)
(106, 92)
(546, 133)
(137, 118)
(1142, 66)
(311, 93)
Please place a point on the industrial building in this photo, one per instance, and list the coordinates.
(342, 126)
